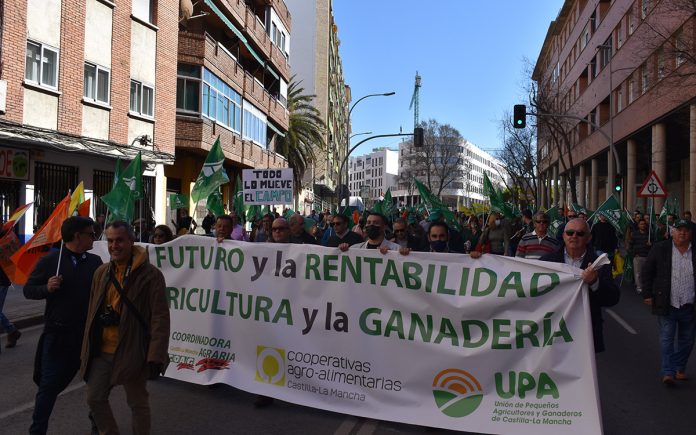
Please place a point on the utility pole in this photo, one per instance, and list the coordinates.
(415, 104)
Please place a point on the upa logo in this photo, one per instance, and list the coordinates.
(457, 392)
(270, 365)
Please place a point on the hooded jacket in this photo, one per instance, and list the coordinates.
(145, 287)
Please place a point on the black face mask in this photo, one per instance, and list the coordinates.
(372, 231)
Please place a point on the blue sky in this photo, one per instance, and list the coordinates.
(469, 53)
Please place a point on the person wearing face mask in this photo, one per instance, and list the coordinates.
(496, 234)
(438, 237)
(374, 231)
(472, 234)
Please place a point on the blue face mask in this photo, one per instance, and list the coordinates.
(438, 245)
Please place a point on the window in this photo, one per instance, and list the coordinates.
(619, 35)
(142, 98)
(220, 102)
(619, 100)
(188, 88)
(644, 6)
(631, 23)
(606, 52)
(42, 65)
(254, 125)
(680, 47)
(645, 78)
(143, 10)
(97, 81)
(660, 64)
(631, 90)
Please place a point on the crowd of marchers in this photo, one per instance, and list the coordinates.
(110, 322)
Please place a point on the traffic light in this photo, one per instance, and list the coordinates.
(418, 137)
(520, 116)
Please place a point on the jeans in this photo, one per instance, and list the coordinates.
(638, 263)
(98, 389)
(6, 325)
(679, 322)
(59, 361)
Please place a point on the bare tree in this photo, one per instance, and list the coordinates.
(438, 163)
(519, 158)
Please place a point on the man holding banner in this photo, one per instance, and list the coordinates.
(63, 279)
(603, 290)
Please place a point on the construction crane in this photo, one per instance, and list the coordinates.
(414, 100)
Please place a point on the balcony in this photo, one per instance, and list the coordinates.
(279, 114)
(282, 10)
(280, 62)
(198, 133)
(257, 33)
(255, 92)
(238, 10)
(199, 49)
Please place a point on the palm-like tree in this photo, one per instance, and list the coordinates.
(305, 133)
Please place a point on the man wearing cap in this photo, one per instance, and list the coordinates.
(538, 243)
(668, 287)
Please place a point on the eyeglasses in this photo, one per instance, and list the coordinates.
(571, 233)
(280, 229)
(542, 222)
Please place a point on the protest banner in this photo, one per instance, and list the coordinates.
(267, 186)
(494, 345)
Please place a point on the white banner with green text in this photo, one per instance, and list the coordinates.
(494, 345)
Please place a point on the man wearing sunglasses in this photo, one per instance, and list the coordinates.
(341, 232)
(538, 243)
(65, 286)
(668, 287)
(603, 291)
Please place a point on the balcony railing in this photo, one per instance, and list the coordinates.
(280, 62)
(238, 9)
(257, 32)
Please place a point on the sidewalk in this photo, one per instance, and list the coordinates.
(21, 311)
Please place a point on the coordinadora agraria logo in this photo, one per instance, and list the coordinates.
(457, 392)
(270, 365)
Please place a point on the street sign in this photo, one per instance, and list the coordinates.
(652, 187)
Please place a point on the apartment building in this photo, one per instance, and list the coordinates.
(82, 83)
(316, 63)
(622, 72)
(463, 187)
(232, 76)
(371, 175)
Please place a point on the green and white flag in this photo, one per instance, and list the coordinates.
(616, 216)
(238, 206)
(214, 203)
(212, 174)
(177, 201)
(671, 206)
(127, 188)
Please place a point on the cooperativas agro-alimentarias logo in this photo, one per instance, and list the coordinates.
(270, 365)
(457, 393)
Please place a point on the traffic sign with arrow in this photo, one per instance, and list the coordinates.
(652, 187)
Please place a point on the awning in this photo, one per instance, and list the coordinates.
(275, 129)
(241, 37)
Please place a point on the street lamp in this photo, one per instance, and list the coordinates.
(348, 136)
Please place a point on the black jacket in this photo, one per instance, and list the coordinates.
(606, 295)
(656, 276)
(304, 239)
(351, 237)
(66, 308)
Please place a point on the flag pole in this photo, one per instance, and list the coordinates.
(140, 236)
(60, 255)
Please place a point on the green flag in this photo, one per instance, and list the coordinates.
(671, 206)
(212, 174)
(616, 216)
(238, 199)
(126, 189)
(133, 177)
(388, 208)
(488, 188)
(498, 203)
(177, 201)
(214, 203)
(432, 202)
(577, 208)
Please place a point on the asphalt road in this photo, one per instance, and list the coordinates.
(634, 401)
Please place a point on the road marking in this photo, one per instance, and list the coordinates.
(347, 426)
(368, 427)
(621, 321)
(30, 405)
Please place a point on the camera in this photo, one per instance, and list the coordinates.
(109, 317)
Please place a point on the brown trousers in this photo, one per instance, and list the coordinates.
(98, 389)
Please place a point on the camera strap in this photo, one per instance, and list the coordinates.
(129, 304)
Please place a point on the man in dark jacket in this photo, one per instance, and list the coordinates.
(66, 290)
(298, 235)
(604, 236)
(342, 234)
(668, 286)
(126, 337)
(603, 291)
